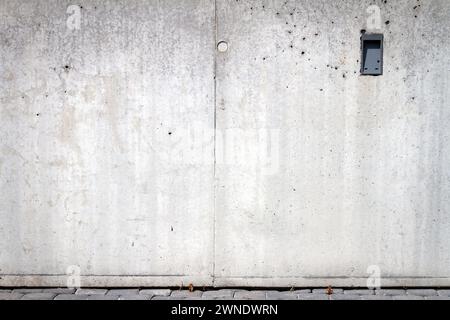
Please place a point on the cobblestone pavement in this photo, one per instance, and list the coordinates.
(223, 294)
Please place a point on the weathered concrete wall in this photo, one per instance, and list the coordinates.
(96, 168)
(132, 149)
(362, 175)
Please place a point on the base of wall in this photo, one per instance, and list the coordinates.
(209, 281)
(332, 281)
(104, 281)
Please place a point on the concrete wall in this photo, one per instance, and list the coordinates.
(134, 152)
(92, 173)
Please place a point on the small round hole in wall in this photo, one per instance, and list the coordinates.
(222, 46)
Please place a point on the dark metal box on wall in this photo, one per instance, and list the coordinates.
(372, 54)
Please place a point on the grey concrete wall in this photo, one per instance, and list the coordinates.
(133, 150)
(96, 168)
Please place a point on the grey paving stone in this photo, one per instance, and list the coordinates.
(219, 298)
(390, 292)
(302, 291)
(39, 296)
(444, 292)
(361, 292)
(90, 292)
(218, 294)
(102, 297)
(5, 290)
(240, 290)
(156, 292)
(180, 294)
(67, 297)
(313, 296)
(422, 292)
(135, 297)
(325, 291)
(168, 298)
(163, 298)
(407, 298)
(284, 295)
(249, 295)
(122, 292)
(27, 290)
(376, 297)
(10, 295)
(345, 297)
(60, 291)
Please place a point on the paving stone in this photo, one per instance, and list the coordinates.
(240, 290)
(27, 290)
(375, 297)
(67, 297)
(60, 291)
(361, 292)
(163, 298)
(5, 290)
(249, 295)
(422, 292)
(407, 298)
(156, 292)
(135, 297)
(390, 292)
(302, 291)
(90, 292)
(39, 296)
(10, 295)
(444, 292)
(180, 294)
(220, 298)
(168, 298)
(285, 295)
(218, 294)
(345, 297)
(313, 296)
(123, 292)
(102, 297)
(325, 291)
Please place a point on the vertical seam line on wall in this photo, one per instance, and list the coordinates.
(215, 148)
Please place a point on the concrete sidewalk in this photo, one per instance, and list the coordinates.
(222, 294)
